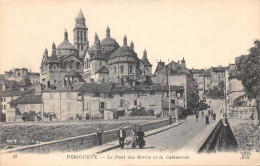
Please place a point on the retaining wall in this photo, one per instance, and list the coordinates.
(82, 142)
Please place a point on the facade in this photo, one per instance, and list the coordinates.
(8, 96)
(18, 75)
(179, 76)
(104, 61)
(199, 81)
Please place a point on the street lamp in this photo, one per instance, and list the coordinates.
(126, 107)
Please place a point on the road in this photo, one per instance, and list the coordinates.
(175, 138)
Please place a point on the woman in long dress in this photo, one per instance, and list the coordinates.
(133, 138)
(140, 138)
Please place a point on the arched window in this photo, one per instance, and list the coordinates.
(122, 69)
(78, 65)
(131, 69)
(71, 64)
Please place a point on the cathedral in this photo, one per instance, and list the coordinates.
(104, 61)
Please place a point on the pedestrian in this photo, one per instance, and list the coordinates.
(207, 119)
(209, 112)
(121, 136)
(197, 116)
(202, 114)
(140, 138)
(170, 119)
(99, 133)
(214, 116)
(133, 136)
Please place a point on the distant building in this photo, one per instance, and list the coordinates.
(104, 61)
(179, 76)
(22, 74)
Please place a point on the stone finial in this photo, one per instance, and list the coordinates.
(125, 40)
(132, 45)
(66, 35)
(108, 31)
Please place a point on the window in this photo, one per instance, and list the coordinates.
(135, 102)
(54, 66)
(100, 64)
(152, 92)
(103, 79)
(79, 96)
(131, 69)
(86, 105)
(115, 69)
(4, 107)
(121, 94)
(122, 69)
(68, 106)
(173, 101)
(102, 105)
(122, 103)
(103, 49)
(178, 94)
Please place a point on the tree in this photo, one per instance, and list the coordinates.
(248, 72)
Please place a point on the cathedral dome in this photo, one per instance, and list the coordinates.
(66, 45)
(108, 41)
(124, 51)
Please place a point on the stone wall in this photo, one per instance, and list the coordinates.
(82, 142)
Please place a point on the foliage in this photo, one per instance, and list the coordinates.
(27, 81)
(138, 112)
(29, 116)
(118, 113)
(248, 71)
(193, 100)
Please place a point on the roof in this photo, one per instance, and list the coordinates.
(146, 61)
(59, 87)
(160, 65)
(80, 14)
(146, 88)
(207, 74)
(123, 51)
(27, 99)
(66, 45)
(197, 71)
(98, 55)
(218, 69)
(10, 93)
(108, 41)
(165, 105)
(103, 69)
(94, 87)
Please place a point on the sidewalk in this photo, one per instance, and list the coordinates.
(115, 144)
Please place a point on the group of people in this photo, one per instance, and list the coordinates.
(210, 113)
(136, 137)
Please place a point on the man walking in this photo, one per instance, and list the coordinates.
(100, 133)
(121, 136)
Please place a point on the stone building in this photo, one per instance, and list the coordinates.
(176, 74)
(104, 61)
(20, 74)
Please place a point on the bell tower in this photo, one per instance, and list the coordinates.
(80, 32)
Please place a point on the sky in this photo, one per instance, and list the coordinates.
(205, 33)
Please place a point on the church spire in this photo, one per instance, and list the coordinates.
(53, 53)
(125, 40)
(108, 31)
(145, 54)
(80, 14)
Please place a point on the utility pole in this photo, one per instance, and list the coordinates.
(225, 95)
(162, 99)
(169, 88)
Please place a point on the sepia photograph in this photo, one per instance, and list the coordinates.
(129, 83)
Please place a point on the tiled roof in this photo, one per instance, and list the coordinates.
(59, 87)
(197, 71)
(160, 65)
(27, 99)
(103, 69)
(123, 51)
(146, 88)
(94, 87)
(10, 92)
(108, 41)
